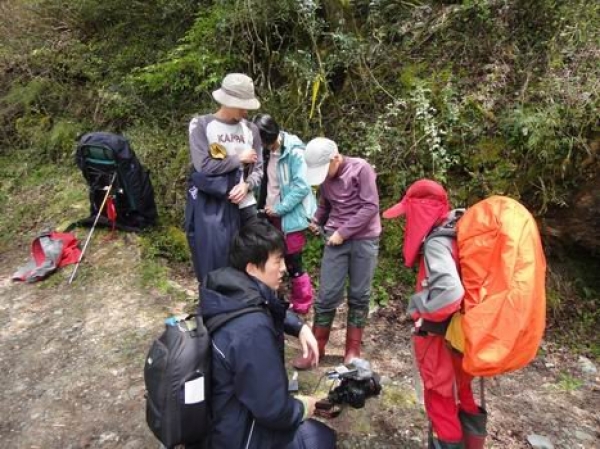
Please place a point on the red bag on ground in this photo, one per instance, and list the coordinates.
(49, 251)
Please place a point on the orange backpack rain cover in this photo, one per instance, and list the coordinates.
(503, 270)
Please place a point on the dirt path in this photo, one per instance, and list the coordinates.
(71, 369)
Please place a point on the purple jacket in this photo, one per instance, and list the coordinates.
(349, 202)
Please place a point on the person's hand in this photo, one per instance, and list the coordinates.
(248, 156)
(310, 403)
(314, 228)
(239, 191)
(310, 348)
(335, 239)
(270, 212)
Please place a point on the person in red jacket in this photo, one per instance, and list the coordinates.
(429, 242)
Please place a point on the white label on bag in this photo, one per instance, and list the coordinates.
(194, 391)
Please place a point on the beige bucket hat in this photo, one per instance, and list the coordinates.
(237, 91)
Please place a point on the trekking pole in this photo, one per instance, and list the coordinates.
(417, 382)
(482, 392)
(87, 240)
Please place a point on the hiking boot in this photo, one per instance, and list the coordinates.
(301, 296)
(322, 335)
(474, 428)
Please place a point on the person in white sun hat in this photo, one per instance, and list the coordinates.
(226, 154)
(348, 212)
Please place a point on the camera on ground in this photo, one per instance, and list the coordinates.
(357, 383)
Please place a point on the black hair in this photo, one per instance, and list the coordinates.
(254, 243)
(267, 127)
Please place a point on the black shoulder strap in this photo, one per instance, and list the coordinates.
(216, 322)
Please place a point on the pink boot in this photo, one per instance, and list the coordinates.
(302, 294)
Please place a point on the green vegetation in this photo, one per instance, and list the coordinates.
(574, 301)
(485, 96)
(35, 197)
(568, 383)
(169, 243)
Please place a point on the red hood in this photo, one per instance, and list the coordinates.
(425, 204)
(422, 215)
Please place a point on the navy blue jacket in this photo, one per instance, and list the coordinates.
(211, 220)
(251, 406)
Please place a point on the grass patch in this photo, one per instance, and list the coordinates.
(35, 198)
(167, 242)
(393, 396)
(155, 275)
(58, 278)
(568, 383)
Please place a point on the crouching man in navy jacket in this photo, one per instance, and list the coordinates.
(252, 408)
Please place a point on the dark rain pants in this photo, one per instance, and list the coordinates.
(211, 220)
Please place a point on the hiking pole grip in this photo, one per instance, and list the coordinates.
(87, 240)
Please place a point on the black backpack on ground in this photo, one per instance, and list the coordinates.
(177, 377)
(100, 155)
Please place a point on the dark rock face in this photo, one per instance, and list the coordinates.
(580, 222)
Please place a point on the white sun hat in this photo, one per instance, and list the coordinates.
(237, 91)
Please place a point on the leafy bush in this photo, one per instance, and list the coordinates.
(166, 155)
(191, 69)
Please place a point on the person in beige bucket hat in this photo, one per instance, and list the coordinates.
(237, 91)
(226, 154)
